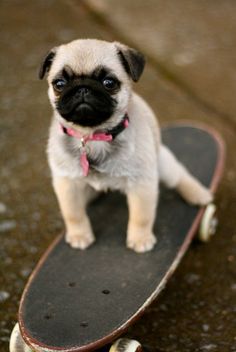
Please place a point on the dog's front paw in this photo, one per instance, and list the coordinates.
(80, 241)
(141, 243)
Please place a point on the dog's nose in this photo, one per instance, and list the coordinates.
(82, 91)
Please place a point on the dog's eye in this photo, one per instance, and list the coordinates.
(109, 83)
(59, 84)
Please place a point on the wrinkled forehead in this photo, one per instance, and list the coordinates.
(84, 56)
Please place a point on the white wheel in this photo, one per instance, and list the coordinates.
(126, 345)
(208, 224)
(17, 344)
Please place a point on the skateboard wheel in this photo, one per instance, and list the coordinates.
(17, 344)
(126, 345)
(208, 224)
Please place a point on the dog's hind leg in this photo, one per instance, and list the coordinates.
(174, 175)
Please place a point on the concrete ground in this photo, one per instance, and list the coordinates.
(190, 74)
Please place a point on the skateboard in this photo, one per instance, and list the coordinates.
(84, 300)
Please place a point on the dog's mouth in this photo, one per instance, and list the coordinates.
(84, 110)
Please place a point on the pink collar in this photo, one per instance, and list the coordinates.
(107, 136)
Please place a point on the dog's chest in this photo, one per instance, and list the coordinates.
(106, 160)
(110, 173)
(111, 165)
(104, 182)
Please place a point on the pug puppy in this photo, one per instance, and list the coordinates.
(104, 136)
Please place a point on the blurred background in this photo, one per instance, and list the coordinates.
(190, 48)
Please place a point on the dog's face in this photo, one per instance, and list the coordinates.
(90, 80)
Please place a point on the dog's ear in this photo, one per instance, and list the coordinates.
(47, 62)
(132, 60)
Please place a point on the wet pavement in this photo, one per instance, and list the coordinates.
(190, 74)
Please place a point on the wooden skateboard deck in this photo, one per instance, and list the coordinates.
(81, 300)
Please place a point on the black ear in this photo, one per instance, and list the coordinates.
(46, 63)
(132, 60)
